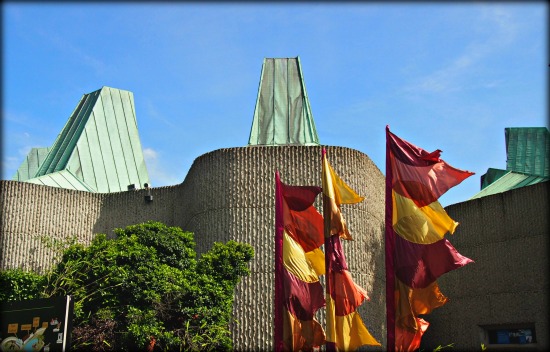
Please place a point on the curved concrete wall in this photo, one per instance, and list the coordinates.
(228, 194)
(233, 199)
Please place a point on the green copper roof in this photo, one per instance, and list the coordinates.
(491, 176)
(528, 150)
(62, 179)
(30, 165)
(527, 155)
(282, 114)
(509, 181)
(99, 147)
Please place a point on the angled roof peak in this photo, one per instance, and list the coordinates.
(98, 150)
(282, 115)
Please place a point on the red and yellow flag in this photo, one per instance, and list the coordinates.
(298, 263)
(417, 253)
(345, 329)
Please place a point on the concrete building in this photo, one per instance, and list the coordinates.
(229, 194)
(501, 300)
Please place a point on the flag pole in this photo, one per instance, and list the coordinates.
(390, 252)
(330, 346)
(278, 300)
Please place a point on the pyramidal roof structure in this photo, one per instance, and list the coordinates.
(282, 115)
(98, 150)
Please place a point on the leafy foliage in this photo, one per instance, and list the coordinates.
(145, 288)
(17, 284)
(440, 347)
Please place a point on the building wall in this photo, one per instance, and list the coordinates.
(228, 194)
(31, 211)
(507, 235)
(234, 199)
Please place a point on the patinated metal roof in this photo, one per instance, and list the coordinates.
(282, 115)
(528, 150)
(62, 179)
(509, 181)
(527, 161)
(30, 165)
(99, 146)
(491, 176)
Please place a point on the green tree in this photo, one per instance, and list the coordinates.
(146, 288)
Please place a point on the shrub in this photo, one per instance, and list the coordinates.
(146, 288)
(18, 284)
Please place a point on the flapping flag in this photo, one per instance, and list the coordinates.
(417, 253)
(345, 329)
(298, 263)
(336, 192)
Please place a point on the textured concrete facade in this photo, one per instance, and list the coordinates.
(508, 236)
(228, 194)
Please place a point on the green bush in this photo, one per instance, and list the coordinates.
(17, 284)
(146, 287)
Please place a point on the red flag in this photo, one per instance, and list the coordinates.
(416, 251)
(298, 264)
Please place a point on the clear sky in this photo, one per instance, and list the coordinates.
(441, 75)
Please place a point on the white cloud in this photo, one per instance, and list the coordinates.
(150, 155)
(504, 28)
(494, 29)
(159, 175)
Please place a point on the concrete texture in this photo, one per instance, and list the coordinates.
(228, 194)
(507, 235)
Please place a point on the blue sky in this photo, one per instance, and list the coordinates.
(442, 75)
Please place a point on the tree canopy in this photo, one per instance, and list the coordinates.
(143, 289)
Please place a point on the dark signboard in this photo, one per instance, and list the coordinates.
(36, 325)
(512, 336)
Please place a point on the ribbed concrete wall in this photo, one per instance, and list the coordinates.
(31, 211)
(228, 194)
(507, 235)
(234, 197)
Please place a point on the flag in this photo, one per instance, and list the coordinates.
(336, 192)
(298, 263)
(345, 328)
(417, 252)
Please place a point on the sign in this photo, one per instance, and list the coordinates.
(512, 336)
(36, 325)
